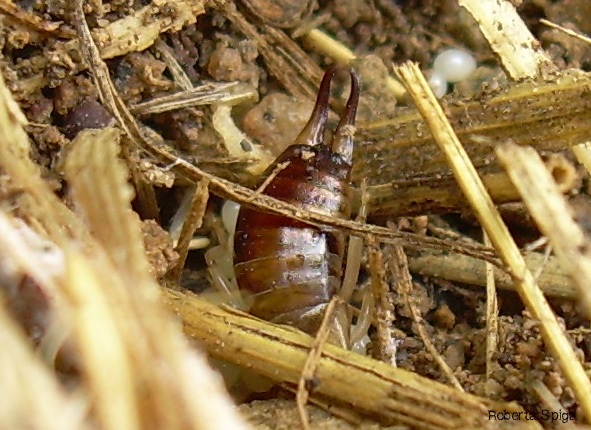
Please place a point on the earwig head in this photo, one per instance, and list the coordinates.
(313, 132)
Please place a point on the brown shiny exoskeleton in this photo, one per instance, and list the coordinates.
(291, 269)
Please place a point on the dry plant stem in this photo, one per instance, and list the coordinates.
(148, 206)
(345, 379)
(107, 366)
(307, 376)
(102, 197)
(548, 399)
(552, 214)
(383, 315)
(399, 268)
(492, 314)
(519, 52)
(491, 221)
(568, 31)
(176, 70)
(553, 280)
(583, 154)
(227, 93)
(134, 33)
(261, 188)
(92, 307)
(192, 222)
(325, 44)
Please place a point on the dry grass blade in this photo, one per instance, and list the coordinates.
(491, 221)
(383, 311)
(568, 31)
(229, 93)
(307, 376)
(508, 36)
(147, 204)
(193, 221)
(345, 379)
(179, 75)
(492, 314)
(551, 213)
(108, 365)
(399, 267)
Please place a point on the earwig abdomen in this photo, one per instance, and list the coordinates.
(291, 269)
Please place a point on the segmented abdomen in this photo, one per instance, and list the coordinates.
(290, 268)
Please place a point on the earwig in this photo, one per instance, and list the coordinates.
(289, 268)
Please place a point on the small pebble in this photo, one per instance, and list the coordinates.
(88, 114)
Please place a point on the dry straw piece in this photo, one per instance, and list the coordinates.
(345, 380)
(553, 280)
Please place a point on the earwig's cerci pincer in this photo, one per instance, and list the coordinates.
(291, 269)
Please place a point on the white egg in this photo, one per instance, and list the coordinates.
(230, 216)
(438, 84)
(454, 65)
